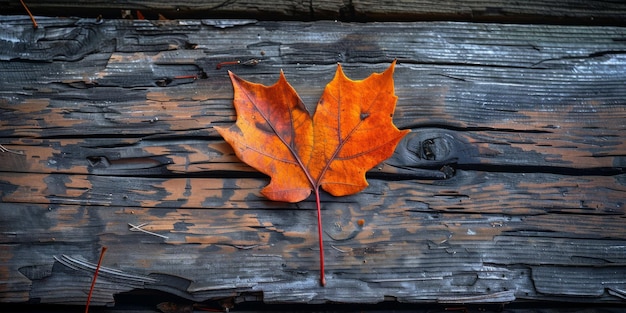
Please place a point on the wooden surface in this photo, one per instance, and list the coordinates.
(510, 187)
(594, 12)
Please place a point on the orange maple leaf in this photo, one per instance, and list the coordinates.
(351, 132)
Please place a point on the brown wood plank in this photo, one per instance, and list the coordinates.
(396, 253)
(467, 191)
(539, 11)
(512, 178)
(466, 149)
(543, 105)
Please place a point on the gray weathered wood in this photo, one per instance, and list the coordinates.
(539, 11)
(510, 186)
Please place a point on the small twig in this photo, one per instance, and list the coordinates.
(250, 62)
(139, 228)
(3, 149)
(95, 276)
(194, 77)
(219, 65)
(140, 15)
(32, 18)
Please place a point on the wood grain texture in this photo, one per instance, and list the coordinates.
(538, 11)
(510, 186)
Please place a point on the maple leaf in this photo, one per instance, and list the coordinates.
(351, 132)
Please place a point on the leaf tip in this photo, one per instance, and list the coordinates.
(282, 76)
(233, 78)
(392, 67)
(339, 72)
(220, 129)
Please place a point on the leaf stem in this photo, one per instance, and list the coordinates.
(319, 234)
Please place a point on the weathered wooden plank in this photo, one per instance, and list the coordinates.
(424, 148)
(468, 191)
(395, 253)
(563, 11)
(554, 101)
